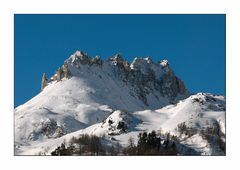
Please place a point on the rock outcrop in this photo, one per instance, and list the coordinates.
(44, 81)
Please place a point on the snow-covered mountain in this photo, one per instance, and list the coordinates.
(117, 100)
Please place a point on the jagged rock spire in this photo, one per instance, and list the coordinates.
(66, 71)
(116, 59)
(59, 74)
(44, 81)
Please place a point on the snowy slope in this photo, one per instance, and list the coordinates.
(196, 112)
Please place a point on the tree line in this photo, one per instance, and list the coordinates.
(152, 144)
(147, 144)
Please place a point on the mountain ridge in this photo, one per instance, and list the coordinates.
(85, 91)
(141, 70)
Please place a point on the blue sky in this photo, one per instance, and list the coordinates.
(193, 44)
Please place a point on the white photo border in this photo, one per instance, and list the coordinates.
(10, 7)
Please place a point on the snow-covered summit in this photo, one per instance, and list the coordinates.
(84, 86)
(79, 57)
(163, 63)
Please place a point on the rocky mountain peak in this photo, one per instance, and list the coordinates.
(149, 60)
(142, 77)
(80, 54)
(79, 58)
(117, 60)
